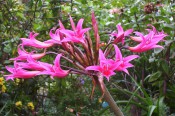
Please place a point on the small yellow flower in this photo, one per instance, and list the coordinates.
(30, 106)
(17, 81)
(3, 88)
(100, 100)
(1, 80)
(18, 104)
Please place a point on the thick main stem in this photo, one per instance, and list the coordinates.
(107, 96)
(112, 103)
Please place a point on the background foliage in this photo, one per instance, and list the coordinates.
(148, 90)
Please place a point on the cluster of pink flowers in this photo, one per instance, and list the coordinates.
(26, 65)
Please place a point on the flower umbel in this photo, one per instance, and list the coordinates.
(86, 58)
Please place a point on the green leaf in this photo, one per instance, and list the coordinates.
(21, 15)
(153, 77)
(165, 66)
(7, 48)
(7, 62)
(157, 50)
(172, 5)
(161, 107)
(4, 106)
(158, 83)
(37, 27)
(170, 26)
(103, 111)
(81, 1)
(151, 110)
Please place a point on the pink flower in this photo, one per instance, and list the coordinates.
(54, 70)
(31, 41)
(106, 66)
(55, 37)
(121, 34)
(23, 55)
(19, 72)
(77, 35)
(148, 42)
(32, 64)
(125, 61)
(156, 33)
(154, 30)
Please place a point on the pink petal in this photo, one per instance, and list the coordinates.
(61, 74)
(120, 29)
(127, 32)
(128, 65)
(126, 71)
(68, 33)
(116, 65)
(157, 46)
(10, 69)
(72, 23)
(57, 60)
(61, 25)
(9, 77)
(137, 39)
(153, 28)
(26, 74)
(82, 31)
(139, 34)
(38, 56)
(79, 24)
(118, 55)
(129, 58)
(101, 55)
(96, 68)
(32, 35)
(34, 43)
(55, 37)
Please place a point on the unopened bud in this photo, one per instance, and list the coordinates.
(102, 44)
